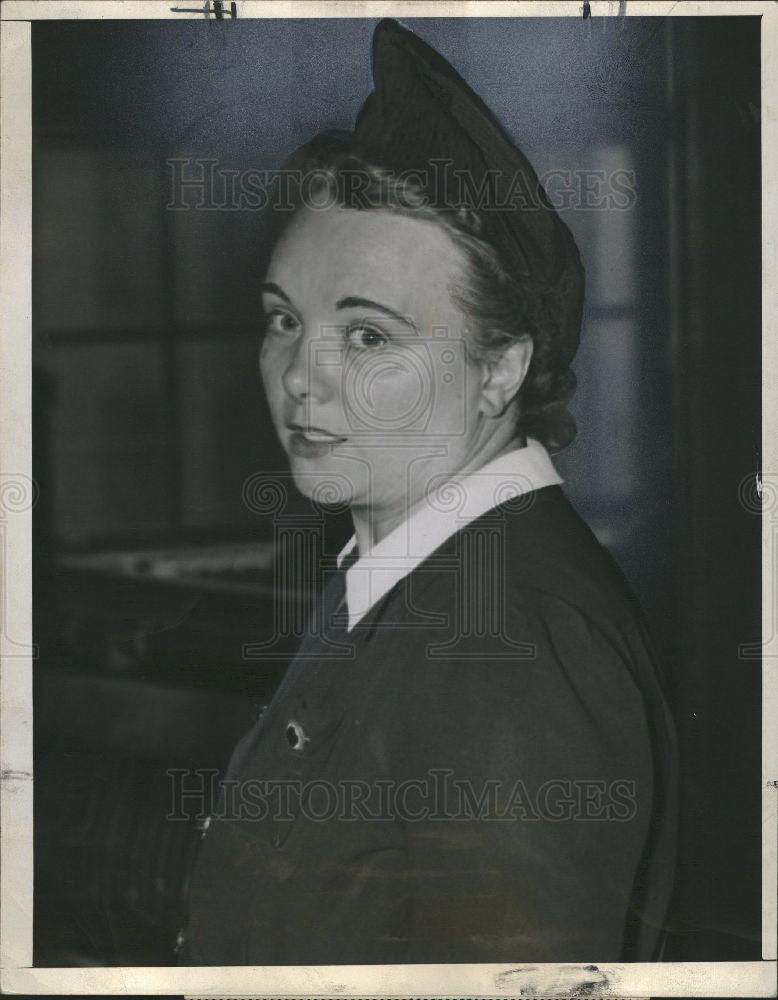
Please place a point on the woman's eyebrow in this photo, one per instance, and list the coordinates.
(352, 301)
(274, 289)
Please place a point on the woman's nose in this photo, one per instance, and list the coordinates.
(305, 377)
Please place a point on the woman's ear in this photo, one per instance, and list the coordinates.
(503, 376)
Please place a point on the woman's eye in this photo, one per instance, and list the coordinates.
(279, 321)
(367, 336)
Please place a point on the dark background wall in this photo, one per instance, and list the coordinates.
(149, 417)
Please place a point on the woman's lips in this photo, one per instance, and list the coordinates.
(317, 435)
(308, 442)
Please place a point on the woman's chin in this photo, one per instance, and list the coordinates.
(321, 482)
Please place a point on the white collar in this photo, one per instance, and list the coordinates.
(452, 505)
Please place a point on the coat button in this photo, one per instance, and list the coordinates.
(180, 941)
(202, 825)
(295, 735)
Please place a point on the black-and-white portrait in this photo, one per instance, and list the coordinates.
(396, 489)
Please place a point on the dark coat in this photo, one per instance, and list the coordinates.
(514, 655)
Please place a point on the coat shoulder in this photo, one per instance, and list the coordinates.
(532, 555)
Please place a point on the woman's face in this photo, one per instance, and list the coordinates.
(364, 360)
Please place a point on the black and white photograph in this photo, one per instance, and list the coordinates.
(387, 510)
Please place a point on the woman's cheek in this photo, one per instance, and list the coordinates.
(271, 365)
(391, 391)
(396, 406)
(264, 361)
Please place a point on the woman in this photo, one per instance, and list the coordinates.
(470, 758)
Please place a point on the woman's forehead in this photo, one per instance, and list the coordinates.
(334, 253)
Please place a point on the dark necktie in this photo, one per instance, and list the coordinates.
(334, 621)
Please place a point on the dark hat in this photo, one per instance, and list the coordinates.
(422, 116)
